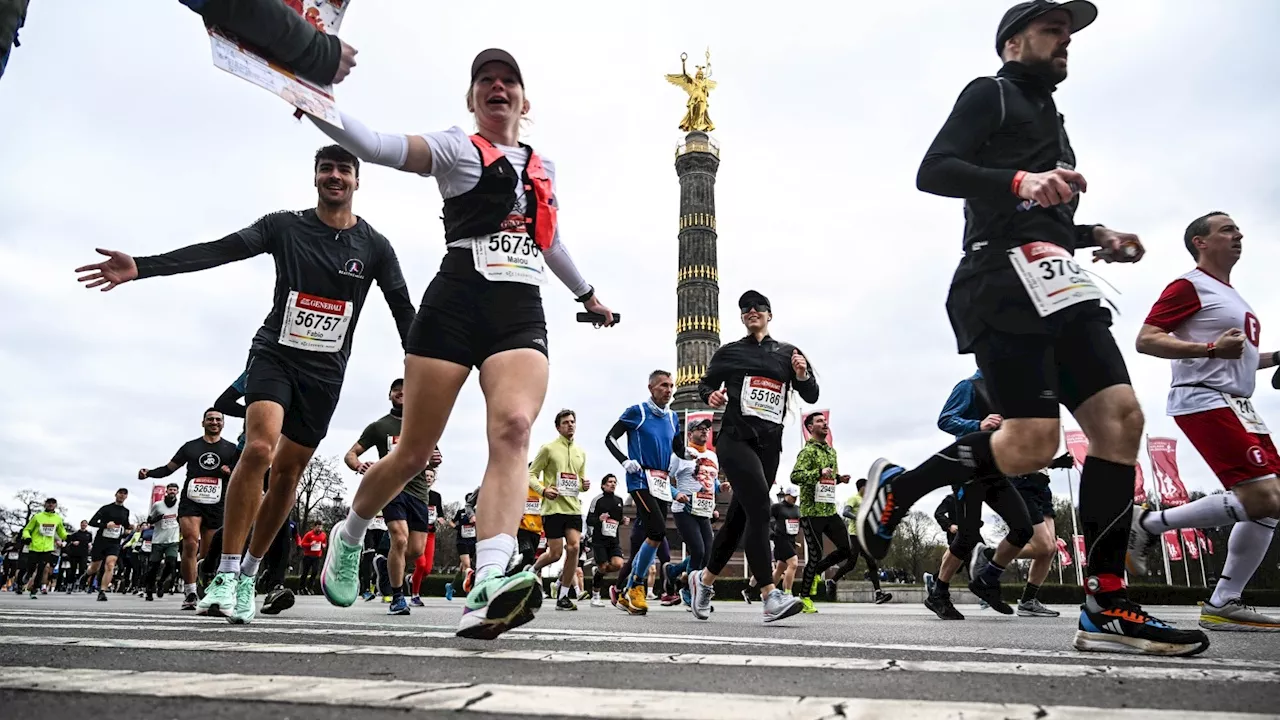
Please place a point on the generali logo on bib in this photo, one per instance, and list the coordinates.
(311, 302)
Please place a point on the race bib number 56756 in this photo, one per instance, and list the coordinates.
(509, 257)
(1051, 277)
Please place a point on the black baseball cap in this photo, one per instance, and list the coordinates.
(1016, 18)
(752, 298)
(398, 382)
(495, 55)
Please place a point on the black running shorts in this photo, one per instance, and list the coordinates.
(308, 402)
(410, 509)
(1034, 489)
(554, 526)
(784, 548)
(210, 515)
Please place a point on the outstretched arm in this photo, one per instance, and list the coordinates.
(282, 35)
(409, 153)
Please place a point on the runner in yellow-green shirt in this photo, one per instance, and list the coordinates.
(44, 530)
(558, 474)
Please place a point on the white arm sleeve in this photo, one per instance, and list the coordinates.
(561, 263)
(377, 148)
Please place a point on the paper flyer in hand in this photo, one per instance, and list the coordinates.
(230, 55)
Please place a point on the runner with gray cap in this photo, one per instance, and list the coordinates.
(484, 310)
(1034, 320)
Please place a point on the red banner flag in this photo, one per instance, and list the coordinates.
(1208, 541)
(804, 431)
(1202, 539)
(1171, 542)
(692, 417)
(157, 494)
(1164, 466)
(1064, 556)
(1077, 445)
(1193, 547)
(1139, 486)
(1080, 551)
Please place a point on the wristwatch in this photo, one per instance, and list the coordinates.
(590, 293)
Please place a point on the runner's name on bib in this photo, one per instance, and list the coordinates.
(206, 491)
(314, 323)
(468, 531)
(378, 523)
(659, 484)
(793, 526)
(509, 257)
(1051, 277)
(113, 533)
(609, 528)
(567, 484)
(146, 546)
(48, 530)
(532, 507)
(704, 503)
(168, 522)
(762, 397)
(1248, 415)
(825, 492)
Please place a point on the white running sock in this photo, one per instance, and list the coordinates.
(1245, 549)
(492, 554)
(353, 528)
(1208, 511)
(249, 566)
(229, 563)
(564, 591)
(188, 588)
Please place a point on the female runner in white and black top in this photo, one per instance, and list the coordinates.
(751, 379)
(484, 310)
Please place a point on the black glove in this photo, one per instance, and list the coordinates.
(1062, 462)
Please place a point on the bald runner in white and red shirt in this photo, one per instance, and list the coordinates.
(1211, 336)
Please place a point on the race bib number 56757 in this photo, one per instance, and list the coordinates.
(1051, 277)
(314, 323)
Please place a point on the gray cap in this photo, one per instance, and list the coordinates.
(495, 55)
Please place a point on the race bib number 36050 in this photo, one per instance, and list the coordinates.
(509, 257)
(314, 323)
(762, 397)
(1051, 277)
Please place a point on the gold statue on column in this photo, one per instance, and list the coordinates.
(698, 87)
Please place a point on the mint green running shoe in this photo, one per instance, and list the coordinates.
(499, 603)
(219, 596)
(245, 608)
(340, 577)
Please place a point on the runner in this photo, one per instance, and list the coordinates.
(409, 515)
(751, 378)
(969, 409)
(76, 552)
(697, 482)
(312, 544)
(605, 517)
(652, 431)
(1034, 321)
(484, 310)
(435, 517)
(1203, 325)
(850, 514)
(10, 560)
(529, 538)
(464, 523)
(208, 460)
(784, 521)
(112, 521)
(558, 474)
(817, 473)
(326, 260)
(44, 531)
(374, 542)
(165, 541)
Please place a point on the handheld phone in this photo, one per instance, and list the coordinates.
(597, 318)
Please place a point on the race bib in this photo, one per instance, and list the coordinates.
(1051, 277)
(316, 547)
(542, 542)
(49, 529)
(509, 257)
(793, 526)
(825, 492)
(609, 528)
(378, 523)
(567, 484)
(206, 491)
(66, 564)
(659, 484)
(468, 531)
(146, 546)
(1247, 414)
(532, 507)
(762, 397)
(431, 515)
(113, 533)
(12, 556)
(314, 323)
(169, 522)
(704, 503)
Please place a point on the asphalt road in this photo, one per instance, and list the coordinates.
(79, 656)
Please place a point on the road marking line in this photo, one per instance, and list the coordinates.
(526, 700)
(643, 658)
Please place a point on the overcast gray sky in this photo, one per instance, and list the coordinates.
(118, 132)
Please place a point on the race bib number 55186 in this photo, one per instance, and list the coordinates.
(314, 323)
(1051, 277)
(762, 397)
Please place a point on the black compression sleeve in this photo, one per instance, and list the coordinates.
(1084, 236)
(280, 33)
(677, 445)
(228, 403)
(161, 472)
(949, 167)
(401, 309)
(194, 258)
(611, 441)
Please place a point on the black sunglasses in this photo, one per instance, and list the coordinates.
(757, 308)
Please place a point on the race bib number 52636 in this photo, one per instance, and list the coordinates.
(1051, 277)
(314, 323)
(762, 397)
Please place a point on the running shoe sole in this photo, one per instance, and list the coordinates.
(993, 600)
(939, 610)
(791, 609)
(280, 604)
(1023, 612)
(1222, 624)
(1125, 645)
(512, 606)
(872, 489)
